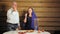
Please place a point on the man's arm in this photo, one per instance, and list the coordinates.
(19, 22)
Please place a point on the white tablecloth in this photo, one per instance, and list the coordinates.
(35, 32)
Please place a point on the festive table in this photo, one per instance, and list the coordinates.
(18, 32)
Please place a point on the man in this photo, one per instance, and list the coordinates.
(13, 18)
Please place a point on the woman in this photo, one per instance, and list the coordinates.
(30, 20)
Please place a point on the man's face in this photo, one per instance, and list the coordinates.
(14, 5)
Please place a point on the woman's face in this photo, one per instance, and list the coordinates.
(29, 10)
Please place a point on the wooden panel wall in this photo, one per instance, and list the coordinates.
(47, 11)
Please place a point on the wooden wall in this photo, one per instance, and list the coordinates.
(47, 11)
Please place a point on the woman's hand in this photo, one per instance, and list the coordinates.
(26, 15)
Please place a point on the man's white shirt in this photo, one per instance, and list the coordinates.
(12, 16)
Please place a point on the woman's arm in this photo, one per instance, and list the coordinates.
(25, 19)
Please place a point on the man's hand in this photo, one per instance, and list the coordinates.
(19, 26)
(14, 8)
